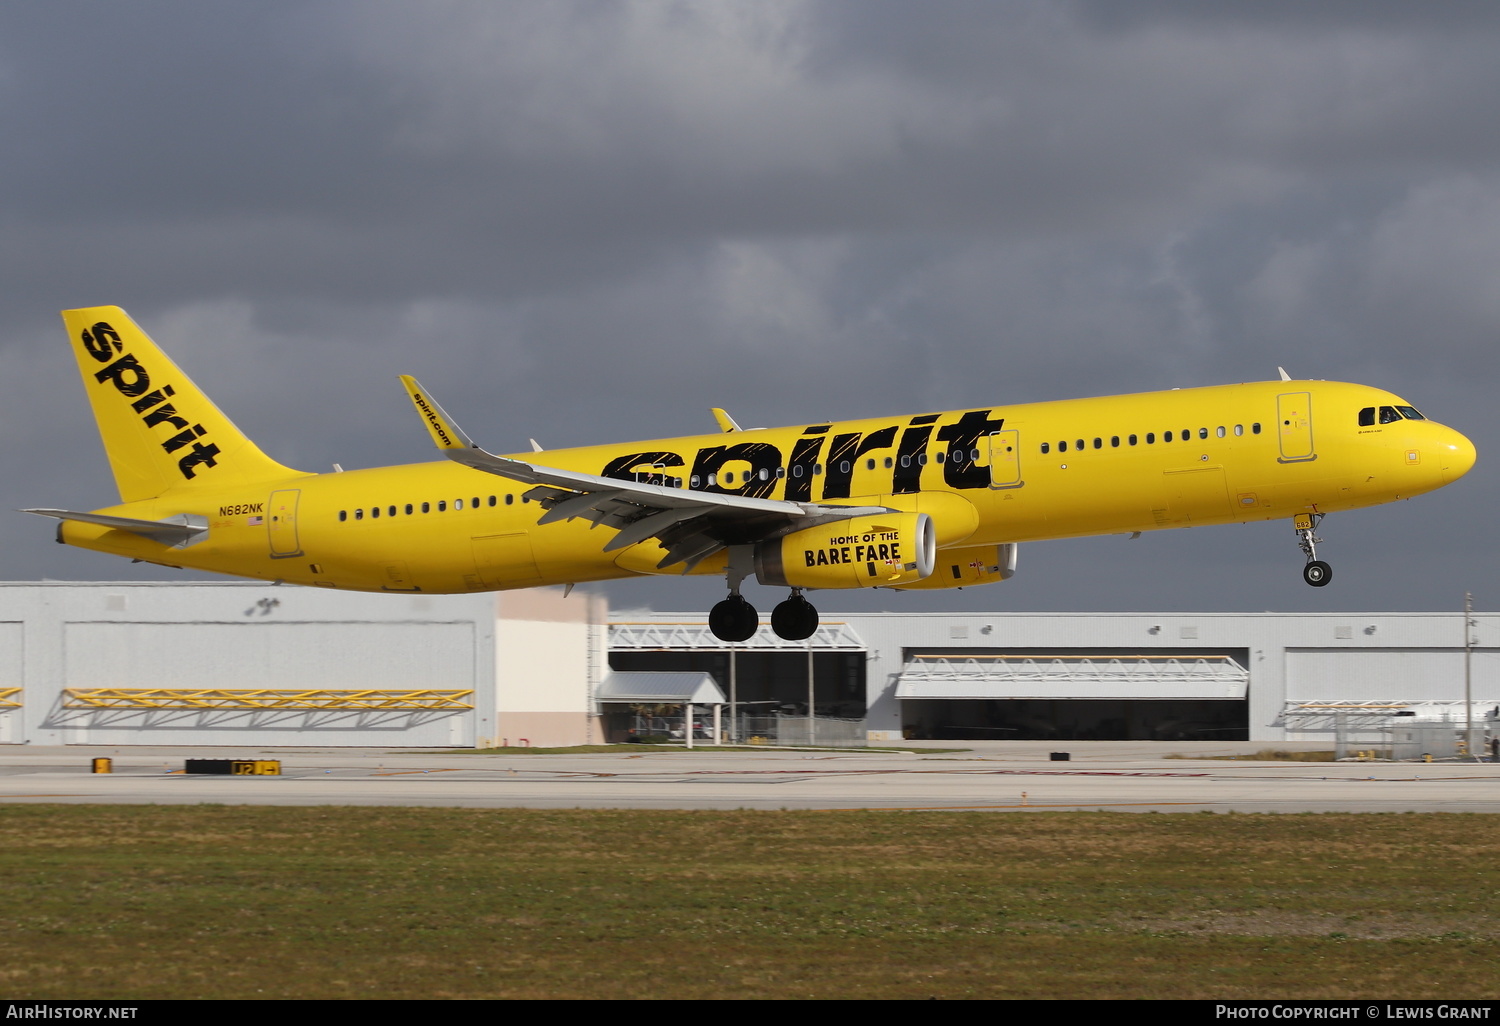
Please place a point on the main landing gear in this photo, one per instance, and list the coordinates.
(795, 619)
(735, 619)
(1316, 572)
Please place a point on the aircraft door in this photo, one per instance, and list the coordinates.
(281, 523)
(1005, 459)
(1294, 427)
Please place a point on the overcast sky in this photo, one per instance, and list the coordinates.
(592, 221)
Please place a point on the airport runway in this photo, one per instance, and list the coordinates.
(992, 776)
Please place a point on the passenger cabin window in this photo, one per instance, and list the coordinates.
(1098, 443)
(510, 500)
(359, 514)
(442, 505)
(1114, 441)
(1045, 449)
(426, 507)
(374, 512)
(1133, 439)
(1203, 432)
(1239, 429)
(1219, 431)
(1255, 428)
(1150, 437)
(1062, 446)
(1166, 436)
(343, 515)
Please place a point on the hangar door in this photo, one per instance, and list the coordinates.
(1390, 675)
(1073, 696)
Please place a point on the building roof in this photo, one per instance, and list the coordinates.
(673, 688)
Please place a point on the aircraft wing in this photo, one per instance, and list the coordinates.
(691, 525)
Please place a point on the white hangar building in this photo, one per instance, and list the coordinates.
(1080, 676)
(252, 664)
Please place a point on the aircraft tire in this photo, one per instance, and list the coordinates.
(734, 619)
(796, 619)
(1317, 573)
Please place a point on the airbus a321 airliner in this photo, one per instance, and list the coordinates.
(935, 500)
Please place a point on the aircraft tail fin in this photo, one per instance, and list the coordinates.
(159, 430)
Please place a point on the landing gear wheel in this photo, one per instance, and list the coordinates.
(734, 619)
(1317, 573)
(795, 619)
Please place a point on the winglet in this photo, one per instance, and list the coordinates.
(445, 433)
(726, 422)
(1284, 375)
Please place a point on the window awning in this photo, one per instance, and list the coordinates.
(1080, 676)
(663, 688)
(668, 637)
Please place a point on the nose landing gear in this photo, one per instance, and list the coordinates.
(1316, 573)
(794, 619)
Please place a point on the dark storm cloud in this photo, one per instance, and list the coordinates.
(588, 221)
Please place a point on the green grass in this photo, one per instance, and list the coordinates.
(246, 901)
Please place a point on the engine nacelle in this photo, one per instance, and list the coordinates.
(968, 566)
(877, 551)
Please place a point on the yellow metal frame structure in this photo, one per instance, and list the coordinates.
(263, 698)
(9, 699)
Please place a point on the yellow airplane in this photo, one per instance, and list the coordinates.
(936, 500)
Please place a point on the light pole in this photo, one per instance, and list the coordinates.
(1469, 625)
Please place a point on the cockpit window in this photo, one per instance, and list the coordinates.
(1388, 415)
(1410, 414)
(1367, 417)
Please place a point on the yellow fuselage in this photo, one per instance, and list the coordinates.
(1237, 453)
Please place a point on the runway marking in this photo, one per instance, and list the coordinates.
(399, 773)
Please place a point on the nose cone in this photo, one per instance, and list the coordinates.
(1457, 455)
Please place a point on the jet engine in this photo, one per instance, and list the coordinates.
(880, 550)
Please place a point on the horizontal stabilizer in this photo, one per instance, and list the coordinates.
(179, 532)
